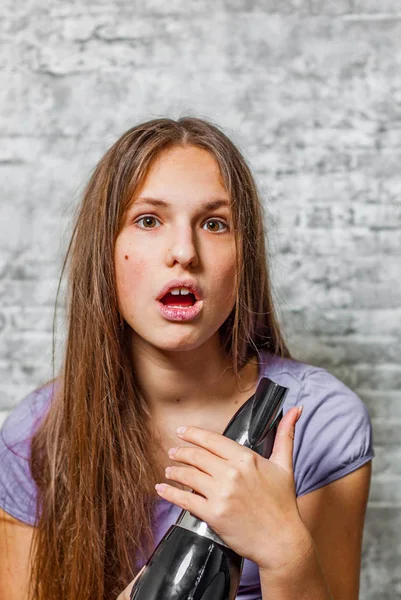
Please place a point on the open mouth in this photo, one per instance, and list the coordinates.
(181, 301)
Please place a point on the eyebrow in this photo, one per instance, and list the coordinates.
(211, 205)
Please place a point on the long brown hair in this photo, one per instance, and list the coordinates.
(91, 457)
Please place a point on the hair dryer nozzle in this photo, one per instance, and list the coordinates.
(253, 421)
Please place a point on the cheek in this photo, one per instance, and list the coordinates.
(223, 276)
(227, 263)
(131, 273)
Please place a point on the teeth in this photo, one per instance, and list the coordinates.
(178, 291)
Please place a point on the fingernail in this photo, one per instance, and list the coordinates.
(160, 487)
(180, 430)
(300, 409)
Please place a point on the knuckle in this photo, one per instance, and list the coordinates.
(187, 453)
(232, 474)
(249, 459)
(196, 454)
(185, 474)
(209, 438)
(184, 503)
(219, 511)
(226, 494)
(189, 430)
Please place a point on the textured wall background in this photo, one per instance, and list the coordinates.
(310, 91)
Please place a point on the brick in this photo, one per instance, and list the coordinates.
(351, 350)
(373, 7)
(32, 319)
(342, 322)
(387, 461)
(386, 490)
(381, 404)
(381, 554)
(326, 7)
(176, 8)
(346, 242)
(27, 345)
(264, 7)
(38, 292)
(335, 189)
(353, 214)
(386, 378)
(326, 284)
(386, 433)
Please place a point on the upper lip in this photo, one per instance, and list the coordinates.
(190, 284)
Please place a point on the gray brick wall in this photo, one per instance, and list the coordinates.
(311, 92)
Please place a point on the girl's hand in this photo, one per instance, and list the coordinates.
(248, 500)
(125, 594)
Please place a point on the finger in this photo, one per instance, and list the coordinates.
(192, 478)
(187, 500)
(284, 441)
(218, 444)
(202, 459)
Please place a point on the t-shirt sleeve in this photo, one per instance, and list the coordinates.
(333, 435)
(17, 489)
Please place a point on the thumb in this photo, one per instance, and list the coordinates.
(284, 441)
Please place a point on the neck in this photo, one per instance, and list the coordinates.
(190, 379)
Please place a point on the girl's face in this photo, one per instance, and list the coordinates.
(183, 239)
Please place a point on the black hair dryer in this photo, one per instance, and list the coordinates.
(191, 562)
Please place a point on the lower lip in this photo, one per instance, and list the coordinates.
(180, 314)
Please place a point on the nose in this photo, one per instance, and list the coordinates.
(182, 249)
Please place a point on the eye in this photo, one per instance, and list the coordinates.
(147, 218)
(218, 221)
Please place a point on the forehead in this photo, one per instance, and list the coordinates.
(182, 156)
(190, 164)
(183, 173)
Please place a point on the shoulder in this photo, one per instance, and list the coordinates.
(333, 436)
(309, 385)
(293, 373)
(17, 489)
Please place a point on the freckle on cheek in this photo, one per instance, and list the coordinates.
(126, 257)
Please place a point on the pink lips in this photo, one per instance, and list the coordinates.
(172, 313)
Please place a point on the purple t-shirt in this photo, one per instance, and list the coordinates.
(333, 437)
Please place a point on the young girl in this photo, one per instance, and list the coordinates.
(171, 217)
